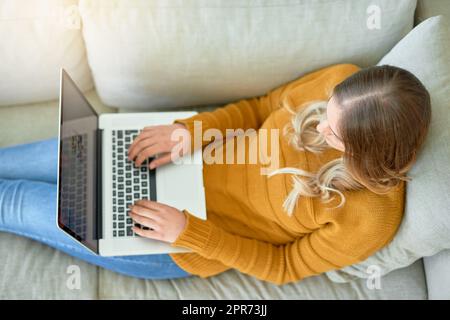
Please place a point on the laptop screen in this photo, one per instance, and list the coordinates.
(77, 197)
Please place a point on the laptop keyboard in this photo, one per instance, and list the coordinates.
(130, 183)
(73, 185)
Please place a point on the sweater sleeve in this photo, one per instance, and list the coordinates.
(251, 113)
(328, 248)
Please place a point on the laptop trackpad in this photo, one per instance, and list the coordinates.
(181, 186)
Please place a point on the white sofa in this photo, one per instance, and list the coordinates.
(135, 75)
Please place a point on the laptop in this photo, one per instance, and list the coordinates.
(97, 182)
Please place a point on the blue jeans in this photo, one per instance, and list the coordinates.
(28, 192)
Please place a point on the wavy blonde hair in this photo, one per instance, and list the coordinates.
(386, 112)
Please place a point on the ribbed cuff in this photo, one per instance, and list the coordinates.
(195, 234)
(199, 235)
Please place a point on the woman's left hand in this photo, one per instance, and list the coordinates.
(167, 222)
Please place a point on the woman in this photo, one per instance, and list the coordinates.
(337, 199)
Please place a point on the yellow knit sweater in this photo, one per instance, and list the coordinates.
(247, 228)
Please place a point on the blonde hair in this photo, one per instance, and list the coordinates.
(331, 178)
(386, 112)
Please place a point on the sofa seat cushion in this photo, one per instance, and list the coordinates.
(36, 121)
(408, 283)
(31, 270)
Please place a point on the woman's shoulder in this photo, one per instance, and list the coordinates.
(367, 221)
(369, 211)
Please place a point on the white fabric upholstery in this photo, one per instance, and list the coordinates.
(31, 270)
(38, 37)
(425, 229)
(400, 284)
(153, 53)
(430, 8)
(36, 121)
(437, 270)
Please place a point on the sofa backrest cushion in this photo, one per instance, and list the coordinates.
(38, 37)
(148, 54)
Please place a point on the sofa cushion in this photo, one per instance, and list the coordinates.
(31, 270)
(437, 274)
(36, 121)
(407, 283)
(425, 229)
(37, 38)
(27, 123)
(154, 53)
(430, 8)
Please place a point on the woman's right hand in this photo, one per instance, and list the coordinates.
(157, 140)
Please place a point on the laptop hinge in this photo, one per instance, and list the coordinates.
(99, 189)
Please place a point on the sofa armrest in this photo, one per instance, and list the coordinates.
(437, 271)
(430, 8)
